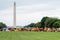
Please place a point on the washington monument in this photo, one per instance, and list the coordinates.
(14, 18)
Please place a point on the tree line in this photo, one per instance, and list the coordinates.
(48, 22)
(2, 25)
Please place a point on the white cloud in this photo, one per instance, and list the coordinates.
(29, 13)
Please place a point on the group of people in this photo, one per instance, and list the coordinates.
(36, 29)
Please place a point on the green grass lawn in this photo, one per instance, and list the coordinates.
(29, 35)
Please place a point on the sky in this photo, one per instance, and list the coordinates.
(28, 11)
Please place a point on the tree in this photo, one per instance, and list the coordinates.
(42, 21)
(2, 25)
(48, 22)
(38, 24)
(56, 24)
(30, 25)
(51, 22)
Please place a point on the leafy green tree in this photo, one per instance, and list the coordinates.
(48, 22)
(43, 21)
(56, 24)
(51, 22)
(38, 24)
(2, 25)
(30, 25)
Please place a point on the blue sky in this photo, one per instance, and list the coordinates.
(28, 11)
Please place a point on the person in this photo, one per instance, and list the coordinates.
(29, 29)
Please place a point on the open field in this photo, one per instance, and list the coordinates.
(29, 35)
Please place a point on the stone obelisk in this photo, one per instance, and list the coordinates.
(14, 19)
